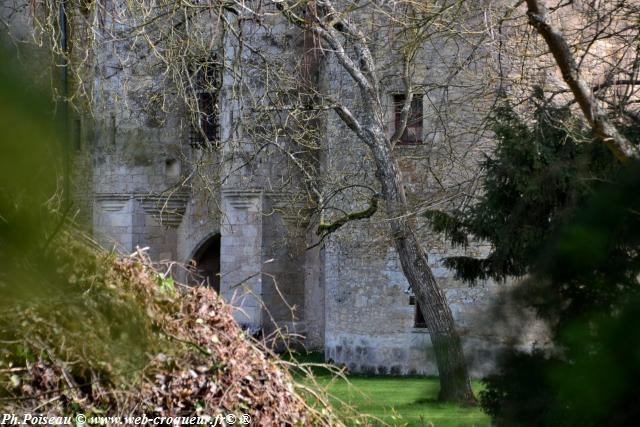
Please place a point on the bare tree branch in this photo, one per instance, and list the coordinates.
(324, 229)
(619, 145)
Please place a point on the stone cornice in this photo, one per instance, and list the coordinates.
(112, 202)
(167, 208)
(242, 199)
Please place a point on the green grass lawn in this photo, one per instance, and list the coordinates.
(398, 401)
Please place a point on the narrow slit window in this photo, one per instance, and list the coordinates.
(418, 319)
(412, 134)
(77, 134)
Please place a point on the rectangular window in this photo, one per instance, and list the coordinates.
(209, 125)
(206, 123)
(418, 318)
(413, 132)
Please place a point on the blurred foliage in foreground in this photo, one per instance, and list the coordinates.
(59, 300)
(586, 287)
(559, 209)
(82, 330)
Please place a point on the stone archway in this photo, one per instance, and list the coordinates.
(206, 259)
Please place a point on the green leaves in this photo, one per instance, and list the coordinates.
(166, 284)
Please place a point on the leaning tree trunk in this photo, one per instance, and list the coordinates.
(324, 21)
(452, 366)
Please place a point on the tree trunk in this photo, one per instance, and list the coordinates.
(452, 366)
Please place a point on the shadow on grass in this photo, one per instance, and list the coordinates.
(428, 401)
(394, 400)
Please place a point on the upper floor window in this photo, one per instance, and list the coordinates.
(205, 127)
(413, 132)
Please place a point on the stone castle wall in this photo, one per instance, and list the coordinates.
(150, 188)
(370, 324)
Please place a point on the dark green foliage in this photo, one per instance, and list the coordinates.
(558, 208)
(534, 181)
(586, 286)
(452, 226)
(527, 383)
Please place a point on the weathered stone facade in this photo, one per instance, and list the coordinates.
(150, 187)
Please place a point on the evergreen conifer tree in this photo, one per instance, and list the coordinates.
(558, 209)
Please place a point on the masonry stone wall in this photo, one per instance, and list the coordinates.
(369, 320)
(347, 294)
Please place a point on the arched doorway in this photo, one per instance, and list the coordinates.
(206, 259)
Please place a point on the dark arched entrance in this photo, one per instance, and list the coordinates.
(207, 263)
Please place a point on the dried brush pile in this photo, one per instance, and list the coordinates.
(84, 331)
